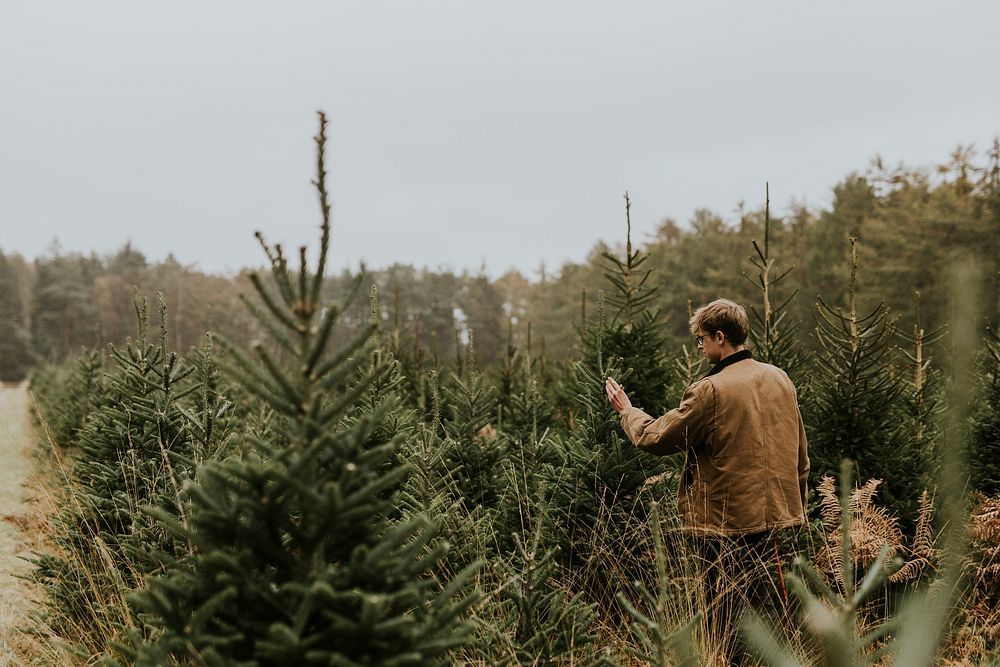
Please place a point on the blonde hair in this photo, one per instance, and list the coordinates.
(722, 315)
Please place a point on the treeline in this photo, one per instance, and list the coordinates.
(911, 223)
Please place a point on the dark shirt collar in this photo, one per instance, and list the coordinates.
(730, 360)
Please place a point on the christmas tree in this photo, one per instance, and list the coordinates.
(134, 448)
(984, 446)
(855, 408)
(293, 557)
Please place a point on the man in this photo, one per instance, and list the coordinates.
(747, 461)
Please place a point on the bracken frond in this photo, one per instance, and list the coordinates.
(871, 527)
(862, 496)
(829, 504)
(910, 571)
(923, 538)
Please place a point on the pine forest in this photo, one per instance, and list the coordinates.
(407, 466)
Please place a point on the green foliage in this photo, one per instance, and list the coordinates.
(470, 460)
(63, 314)
(135, 447)
(772, 332)
(67, 393)
(596, 489)
(549, 625)
(923, 396)
(984, 446)
(293, 557)
(921, 224)
(635, 331)
(856, 401)
(15, 343)
(828, 250)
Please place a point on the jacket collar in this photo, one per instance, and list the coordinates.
(730, 360)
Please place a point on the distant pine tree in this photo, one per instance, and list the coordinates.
(294, 559)
(15, 343)
(525, 410)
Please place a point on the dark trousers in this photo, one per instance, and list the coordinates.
(739, 574)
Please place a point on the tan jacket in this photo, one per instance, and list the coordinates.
(747, 461)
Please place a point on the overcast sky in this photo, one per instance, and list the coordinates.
(462, 133)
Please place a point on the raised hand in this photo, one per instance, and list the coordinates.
(617, 396)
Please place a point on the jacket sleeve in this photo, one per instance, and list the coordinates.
(688, 424)
(803, 465)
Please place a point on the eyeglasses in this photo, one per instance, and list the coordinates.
(698, 340)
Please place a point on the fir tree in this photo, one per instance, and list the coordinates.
(635, 332)
(772, 335)
(596, 486)
(387, 385)
(855, 407)
(550, 626)
(923, 395)
(409, 356)
(211, 420)
(470, 455)
(596, 491)
(66, 394)
(135, 448)
(524, 410)
(507, 372)
(984, 446)
(686, 368)
(532, 454)
(294, 560)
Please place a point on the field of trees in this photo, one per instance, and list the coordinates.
(408, 466)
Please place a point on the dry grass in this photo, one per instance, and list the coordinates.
(26, 503)
(77, 643)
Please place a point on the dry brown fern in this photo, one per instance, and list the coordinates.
(978, 619)
(922, 553)
(985, 552)
(871, 527)
(829, 504)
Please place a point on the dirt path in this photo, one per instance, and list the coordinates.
(19, 515)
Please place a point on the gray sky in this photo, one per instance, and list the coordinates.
(462, 132)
